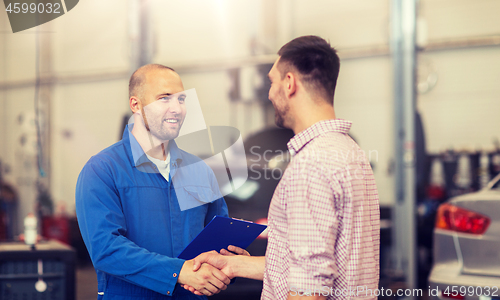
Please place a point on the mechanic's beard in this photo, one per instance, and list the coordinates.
(162, 134)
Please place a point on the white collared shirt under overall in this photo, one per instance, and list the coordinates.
(162, 165)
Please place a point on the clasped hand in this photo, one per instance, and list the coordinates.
(219, 265)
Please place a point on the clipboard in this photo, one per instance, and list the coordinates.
(220, 233)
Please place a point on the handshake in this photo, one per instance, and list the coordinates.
(210, 272)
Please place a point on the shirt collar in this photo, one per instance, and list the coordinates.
(301, 139)
(138, 155)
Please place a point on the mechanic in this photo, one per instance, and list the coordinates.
(127, 200)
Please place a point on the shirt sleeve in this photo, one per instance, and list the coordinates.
(104, 229)
(312, 228)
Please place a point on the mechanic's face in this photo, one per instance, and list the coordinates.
(164, 109)
(277, 96)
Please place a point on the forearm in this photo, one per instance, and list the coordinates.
(136, 265)
(248, 266)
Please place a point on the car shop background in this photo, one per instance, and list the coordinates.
(419, 80)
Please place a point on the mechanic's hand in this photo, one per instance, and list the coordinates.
(191, 289)
(233, 250)
(206, 280)
(216, 260)
(213, 258)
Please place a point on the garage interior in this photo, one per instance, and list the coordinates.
(418, 79)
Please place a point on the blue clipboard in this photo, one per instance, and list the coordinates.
(220, 233)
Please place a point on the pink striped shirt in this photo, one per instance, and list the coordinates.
(324, 219)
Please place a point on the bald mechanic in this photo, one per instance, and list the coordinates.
(128, 209)
(324, 231)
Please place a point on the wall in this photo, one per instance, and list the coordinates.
(460, 112)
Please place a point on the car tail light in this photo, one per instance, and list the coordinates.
(454, 218)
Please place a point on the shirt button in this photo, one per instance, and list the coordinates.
(168, 292)
(175, 274)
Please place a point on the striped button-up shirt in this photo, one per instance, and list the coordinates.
(324, 219)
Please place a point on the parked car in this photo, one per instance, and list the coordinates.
(467, 246)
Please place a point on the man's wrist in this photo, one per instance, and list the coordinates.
(234, 263)
(247, 266)
(188, 264)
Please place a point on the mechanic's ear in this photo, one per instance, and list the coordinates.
(135, 104)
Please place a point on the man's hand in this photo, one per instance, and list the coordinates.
(233, 250)
(214, 259)
(207, 280)
(221, 262)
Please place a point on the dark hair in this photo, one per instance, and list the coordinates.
(137, 79)
(315, 60)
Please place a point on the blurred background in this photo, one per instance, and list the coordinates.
(419, 82)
